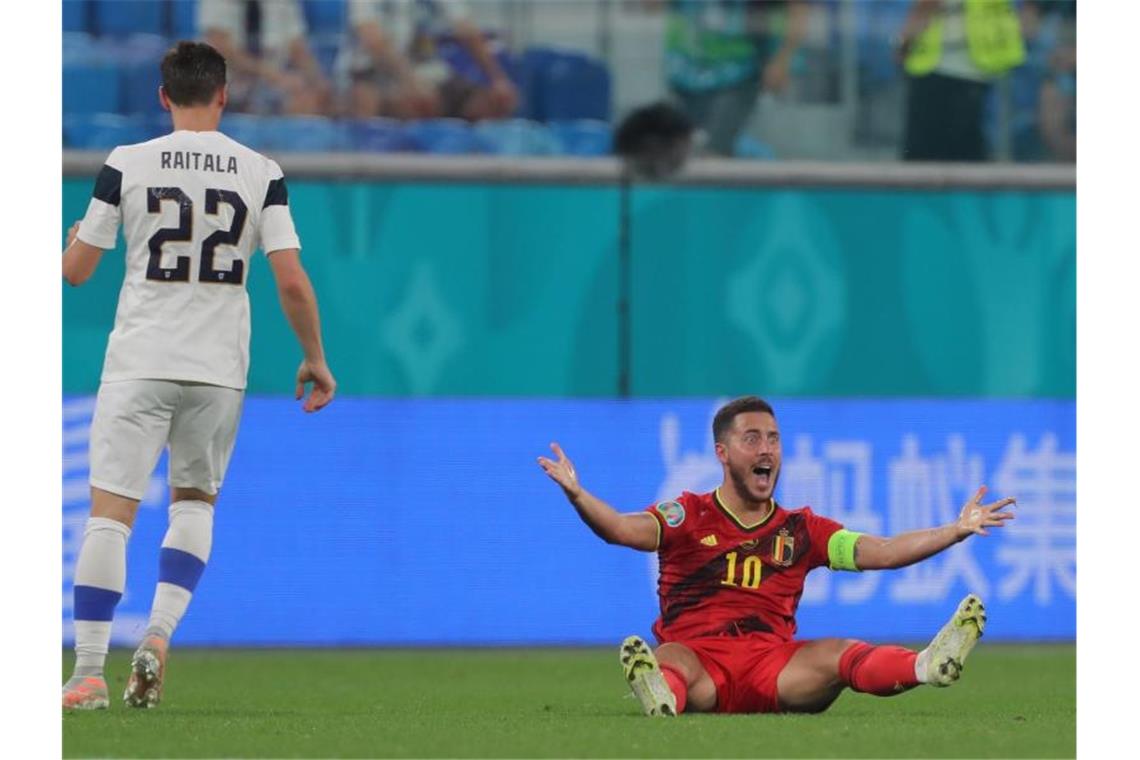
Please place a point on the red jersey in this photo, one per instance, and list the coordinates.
(719, 576)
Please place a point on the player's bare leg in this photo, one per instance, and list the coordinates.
(148, 664)
(700, 691)
(669, 682)
(810, 681)
(821, 669)
(112, 506)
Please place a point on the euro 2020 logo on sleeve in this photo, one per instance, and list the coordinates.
(672, 512)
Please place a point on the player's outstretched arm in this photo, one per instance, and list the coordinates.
(637, 531)
(79, 259)
(876, 553)
(299, 303)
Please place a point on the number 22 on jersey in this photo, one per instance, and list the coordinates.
(180, 272)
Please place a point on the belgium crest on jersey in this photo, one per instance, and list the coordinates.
(783, 548)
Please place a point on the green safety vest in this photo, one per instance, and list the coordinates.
(993, 38)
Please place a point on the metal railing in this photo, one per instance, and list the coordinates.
(604, 171)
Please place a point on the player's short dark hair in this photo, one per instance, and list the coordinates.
(192, 73)
(725, 416)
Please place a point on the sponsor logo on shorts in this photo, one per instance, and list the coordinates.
(672, 512)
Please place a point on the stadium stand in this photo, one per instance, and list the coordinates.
(183, 19)
(75, 16)
(124, 17)
(110, 79)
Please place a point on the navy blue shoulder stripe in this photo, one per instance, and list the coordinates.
(108, 185)
(277, 194)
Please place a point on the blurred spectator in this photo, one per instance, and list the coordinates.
(1044, 90)
(271, 68)
(1058, 110)
(395, 68)
(952, 51)
(720, 54)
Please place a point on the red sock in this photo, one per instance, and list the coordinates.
(883, 671)
(677, 684)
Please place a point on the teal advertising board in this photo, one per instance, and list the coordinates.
(512, 290)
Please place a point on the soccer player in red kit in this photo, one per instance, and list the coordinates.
(733, 564)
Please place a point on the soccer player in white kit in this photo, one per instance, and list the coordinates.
(194, 205)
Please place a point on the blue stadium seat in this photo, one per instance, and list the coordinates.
(184, 19)
(460, 60)
(378, 136)
(104, 131)
(159, 123)
(79, 48)
(314, 134)
(133, 50)
(576, 87)
(122, 17)
(140, 89)
(326, 16)
(517, 137)
(530, 68)
(89, 89)
(445, 136)
(247, 129)
(75, 15)
(583, 137)
(564, 85)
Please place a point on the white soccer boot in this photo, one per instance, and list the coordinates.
(943, 660)
(148, 666)
(85, 693)
(645, 678)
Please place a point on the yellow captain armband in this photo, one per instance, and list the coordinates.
(841, 550)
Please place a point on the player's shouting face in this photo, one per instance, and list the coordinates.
(751, 455)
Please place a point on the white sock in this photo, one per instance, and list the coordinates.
(920, 664)
(100, 576)
(185, 551)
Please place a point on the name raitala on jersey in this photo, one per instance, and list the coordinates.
(210, 162)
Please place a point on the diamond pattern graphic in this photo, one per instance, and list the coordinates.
(423, 333)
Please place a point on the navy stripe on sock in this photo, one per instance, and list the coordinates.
(96, 604)
(179, 568)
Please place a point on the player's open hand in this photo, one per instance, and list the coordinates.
(561, 471)
(976, 517)
(324, 385)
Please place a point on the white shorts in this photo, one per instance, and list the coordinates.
(135, 419)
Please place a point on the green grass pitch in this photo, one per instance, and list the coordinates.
(1013, 701)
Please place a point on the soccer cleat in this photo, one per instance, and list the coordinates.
(85, 693)
(144, 687)
(645, 678)
(944, 659)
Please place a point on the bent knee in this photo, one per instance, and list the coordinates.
(682, 659)
(826, 657)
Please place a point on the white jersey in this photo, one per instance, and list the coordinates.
(194, 206)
